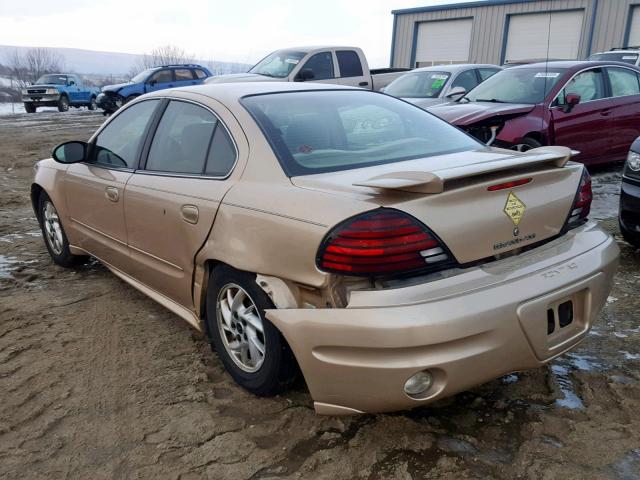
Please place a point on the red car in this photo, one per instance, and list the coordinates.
(592, 107)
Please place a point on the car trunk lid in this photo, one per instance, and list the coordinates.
(471, 206)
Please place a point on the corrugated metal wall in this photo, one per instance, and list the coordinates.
(487, 38)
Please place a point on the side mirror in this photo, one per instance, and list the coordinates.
(70, 152)
(152, 82)
(71, 82)
(305, 75)
(570, 101)
(456, 93)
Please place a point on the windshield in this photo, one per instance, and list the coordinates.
(330, 130)
(142, 76)
(631, 58)
(279, 64)
(418, 85)
(53, 80)
(516, 85)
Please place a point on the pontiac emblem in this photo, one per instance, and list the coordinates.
(514, 209)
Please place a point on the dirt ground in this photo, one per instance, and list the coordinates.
(99, 382)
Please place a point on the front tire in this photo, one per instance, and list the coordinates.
(250, 347)
(53, 233)
(29, 107)
(631, 238)
(63, 104)
(527, 143)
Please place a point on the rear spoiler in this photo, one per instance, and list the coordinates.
(433, 182)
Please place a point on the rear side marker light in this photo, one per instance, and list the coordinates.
(508, 185)
(381, 242)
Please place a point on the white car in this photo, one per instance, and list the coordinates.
(625, 55)
(429, 86)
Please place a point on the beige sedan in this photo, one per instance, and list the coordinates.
(346, 234)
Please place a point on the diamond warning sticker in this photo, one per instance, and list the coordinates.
(514, 208)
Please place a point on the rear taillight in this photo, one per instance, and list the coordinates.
(379, 243)
(582, 203)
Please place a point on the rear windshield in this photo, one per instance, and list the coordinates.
(418, 85)
(330, 130)
(516, 85)
(631, 58)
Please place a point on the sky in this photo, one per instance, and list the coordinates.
(223, 30)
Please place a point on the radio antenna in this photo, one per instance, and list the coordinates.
(546, 75)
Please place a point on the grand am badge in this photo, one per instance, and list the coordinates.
(514, 209)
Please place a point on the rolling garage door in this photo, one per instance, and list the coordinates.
(527, 35)
(443, 42)
(634, 28)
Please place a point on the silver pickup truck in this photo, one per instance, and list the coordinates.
(323, 64)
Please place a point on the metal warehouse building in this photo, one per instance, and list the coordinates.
(497, 31)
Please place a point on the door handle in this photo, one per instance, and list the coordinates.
(112, 193)
(363, 84)
(190, 213)
(605, 113)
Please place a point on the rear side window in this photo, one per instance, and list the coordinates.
(222, 154)
(181, 141)
(623, 82)
(349, 63)
(332, 130)
(118, 143)
(321, 64)
(183, 74)
(200, 73)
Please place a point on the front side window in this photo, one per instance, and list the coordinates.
(162, 76)
(118, 143)
(623, 82)
(279, 64)
(486, 73)
(332, 130)
(418, 85)
(589, 85)
(321, 65)
(466, 80)
(349, 63)
(183, 74)
(517, 85)
(181, 141)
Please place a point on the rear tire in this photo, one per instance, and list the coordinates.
(63, 104)
(53, 234)
(527, 143)
(29, 107)
(235, 306)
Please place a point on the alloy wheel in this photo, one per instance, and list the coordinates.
(240, 327)
(52, 228)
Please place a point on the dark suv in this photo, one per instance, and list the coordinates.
(150, 80)
(630, 197)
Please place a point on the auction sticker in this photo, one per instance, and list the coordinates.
(547, 74)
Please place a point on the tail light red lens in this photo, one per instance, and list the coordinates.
(582, 203)
(381, 242)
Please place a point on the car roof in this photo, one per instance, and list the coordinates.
(454, 67)
(230, 92)
(571, 64)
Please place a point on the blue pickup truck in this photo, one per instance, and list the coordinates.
(59, 90)
(150, 80)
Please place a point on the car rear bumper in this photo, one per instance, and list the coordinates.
(465, 329)
(630, 207)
